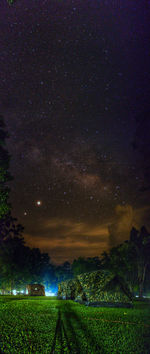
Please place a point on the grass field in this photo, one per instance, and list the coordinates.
(47, 325)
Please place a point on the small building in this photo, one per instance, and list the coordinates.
(36, 290)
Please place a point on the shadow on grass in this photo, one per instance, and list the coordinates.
(61, 334)
(93, 346)
(68, 329)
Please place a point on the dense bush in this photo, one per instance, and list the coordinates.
(93, 287)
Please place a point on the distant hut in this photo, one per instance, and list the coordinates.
(36, 289)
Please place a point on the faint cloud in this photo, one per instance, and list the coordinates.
(125, 218)
(66, 239)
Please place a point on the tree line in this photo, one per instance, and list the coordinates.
(129, 261)
(21, 265)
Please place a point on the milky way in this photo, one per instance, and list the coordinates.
(74, 92)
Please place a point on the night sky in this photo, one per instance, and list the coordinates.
(75, 96)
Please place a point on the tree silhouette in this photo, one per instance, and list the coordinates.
(11, 2)
(140, 241)
(121, 262)
(5, 176)
(141, 145)
(130, 260)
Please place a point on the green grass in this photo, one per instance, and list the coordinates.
(46, 325)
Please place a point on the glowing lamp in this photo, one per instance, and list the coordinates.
(49, 293)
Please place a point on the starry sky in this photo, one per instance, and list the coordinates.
(75, 96)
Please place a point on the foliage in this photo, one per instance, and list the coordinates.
(142, 146)
(121, 261)
(9, 228)
(129, 260)
(84, 265)
(94, 287)
(11, 2)
(147, 281)
(63, 272)
(10, 270)
(140, 242)
(5, 176)
(20, 264)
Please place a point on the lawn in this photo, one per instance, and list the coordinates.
(47, 325)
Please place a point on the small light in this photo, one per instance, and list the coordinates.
(49, 293)
(38, 202)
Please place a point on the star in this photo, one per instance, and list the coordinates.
(38, 202)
